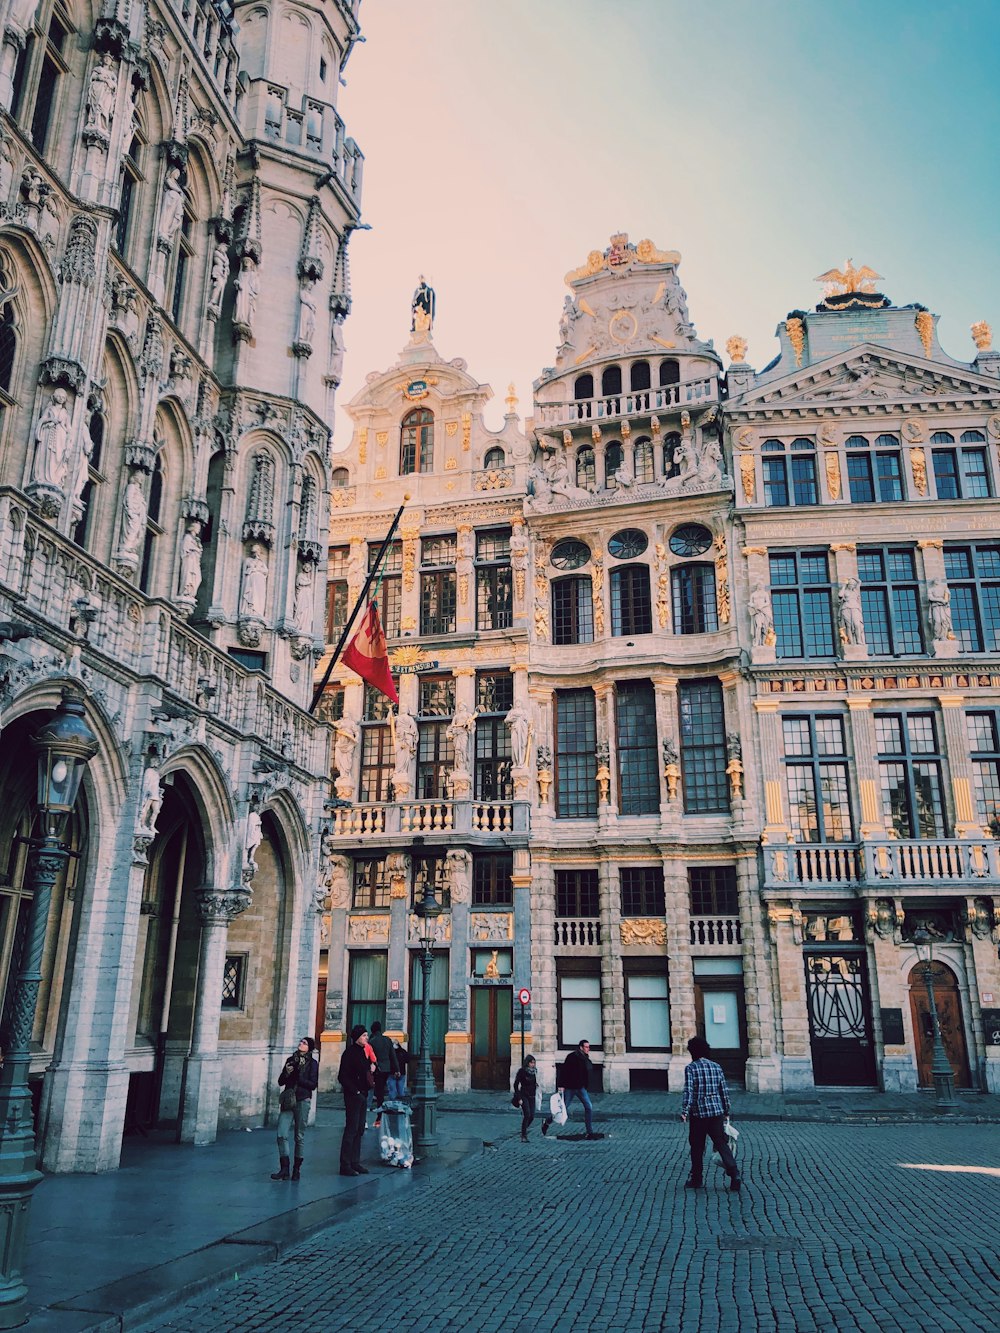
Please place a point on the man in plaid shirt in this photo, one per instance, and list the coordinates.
(705, 1107)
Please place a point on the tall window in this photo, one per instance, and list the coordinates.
(802, 471)
(494, 590)
(437, 585)
(586, 468)
(576, 762)
(644, 465)
(181, 265)
(984, 744)
(816, 778)
(910, 771)
(577, 893)
(693, 591)
(614, 456)
(890, 601)
(428, 872)
(802, 603)
(573, 610)
(389, 595)
(376, 749)
(638, 760)
(494, 700)
(960, 473)
(631, 610)
(495, 458)
(642, 891)
(371, 883)
(437, 1003)
(435, 756)
(8, 337)
(84, 527)
(611, 380)
(583, 387)
(491, 879)
(647, 1004)
(336, 592)
(638, 376)
(874, 474)
(579, 985)
(416, 442)
(153, 528)
(973, 574)
(366, 988)
(131, 176)
(53, 66)
(713, 891)
(703, 747)
(671, 444)
(670, 373)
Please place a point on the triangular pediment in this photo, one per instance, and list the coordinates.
(869, 374)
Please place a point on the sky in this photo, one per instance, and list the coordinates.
(766, 141)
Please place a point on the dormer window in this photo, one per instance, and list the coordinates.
(416, 442)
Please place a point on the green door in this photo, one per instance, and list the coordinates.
(492, 1016)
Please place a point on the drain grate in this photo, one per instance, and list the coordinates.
(772, 1243)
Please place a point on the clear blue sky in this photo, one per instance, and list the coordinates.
(766, 141)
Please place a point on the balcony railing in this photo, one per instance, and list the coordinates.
(644, 402)
(720, 931)
(884, 863)
(585, 931)
(408, 817)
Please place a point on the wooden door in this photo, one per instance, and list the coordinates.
(720, 1017)
(949, 1008)
(492, 1016)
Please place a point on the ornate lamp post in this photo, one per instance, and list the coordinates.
(65, 745)
(424, 1090)
(941, 1072)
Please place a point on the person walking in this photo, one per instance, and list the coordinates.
(576, 1083)
(353, 1076)
(298, 1081)
(525, 1087)
(385, 1066)
(396, 1086)
(705, 1108)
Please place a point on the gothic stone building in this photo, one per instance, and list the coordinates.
(731, 734)
(177, 193)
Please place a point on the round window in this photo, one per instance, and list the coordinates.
(691, 539)
(627, 544)
(570, 554)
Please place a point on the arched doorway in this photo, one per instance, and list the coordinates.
(949, 1007)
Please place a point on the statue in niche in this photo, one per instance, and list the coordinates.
(101, 95)
(422, 308)
(6, 169)
(761, 616)
(220, 276)
(345, 745)
(171, 206)
(519, 724)
(133, 516)
(191, 549)
(405, 744)
(247, 291)
(459, 871)
(52, 443)
(307, 311)
(150, 798)
(252, 840)
(253, 597)
(302, 609)
(852, 625)
(340, 884)
(460, 730)
(939, 604)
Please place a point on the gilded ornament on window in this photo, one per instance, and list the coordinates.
(597, 580)
(918, 466)
(924, 321)
(362, 446)
(982, 335)
(833, 474)
(737, 348)
(748, 476)
(644, 930)
(796, 336)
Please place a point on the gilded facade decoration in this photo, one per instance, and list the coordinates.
(748, 476)
(370, 929)
(796, 336)
(737, 348)
(832, 460)
(597, 580)
(918, 466)
(982, 335)
(643, 930)
(466, 431)
(848, 280)
(924, 322)
(362, 446)
(722, 598)
(662, 587)
(485, 927)
(410, 537)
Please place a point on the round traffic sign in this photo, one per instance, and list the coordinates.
(524, 995)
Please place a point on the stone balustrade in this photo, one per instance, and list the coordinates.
(577, 932)
(716, 931)
(643, 402)
(884, 863)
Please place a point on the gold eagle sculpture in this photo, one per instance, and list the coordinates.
(849, 279)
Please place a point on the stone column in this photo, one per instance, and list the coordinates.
(203, 1068)
(739, 772)
(763, 1071)
(863, 733)
(956, 746)
(776, 827)
(983, 934)
(785, 925)
(671, 806)
(458, 1038)
(616, 1078)
(409, 605)
(883, 920)
(543, 809)
(521, 881)
(680, 968)
(544, 990)
(932, 551)
(465, 613)
(607, 796)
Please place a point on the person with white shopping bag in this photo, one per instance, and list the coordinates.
(575, 1083)
(706, 1109)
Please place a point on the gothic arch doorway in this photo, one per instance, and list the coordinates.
(949, 1007)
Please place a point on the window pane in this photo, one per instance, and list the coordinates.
(975, 478)
(890, 477)
(576, 761)
(631, 610)
(703, 747)
(804, 481)
(775, 482)
(648, 1013)
(638, 762)
(572, 610)
(945, 474)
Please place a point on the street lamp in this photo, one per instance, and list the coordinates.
(424, 1089)
(941, 1072)
(64, 745)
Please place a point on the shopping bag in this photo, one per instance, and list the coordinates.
(732, 1134)
(538, 1100)
(557, 1108)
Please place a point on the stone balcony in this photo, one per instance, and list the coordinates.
(50, 584)
(404, 818)
(963, 864)
(623, 406)
(577, 932)
(710, 933)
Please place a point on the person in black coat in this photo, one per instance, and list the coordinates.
(298, 1081)
(576, 1083)
(525, 1087)
(355, 1077)
(385, 1066)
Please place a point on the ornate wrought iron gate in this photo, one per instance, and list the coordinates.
(840, 1029)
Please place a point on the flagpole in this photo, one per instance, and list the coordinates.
(318, 694)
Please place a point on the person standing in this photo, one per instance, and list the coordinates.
(397, 1082)
(576, 1083)
(705, 1108)
(525, 1087)
(353, 1076)
(298, 1081)
(385, 1067)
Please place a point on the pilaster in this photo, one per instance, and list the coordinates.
(680, 968)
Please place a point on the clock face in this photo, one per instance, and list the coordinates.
(627, 544)
(570, 554)
(691, 539)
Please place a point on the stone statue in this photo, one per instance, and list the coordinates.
(460, 734)
(852, 626)
(220, 276)
(302, 609)
(133, 521)
(253, 597)
(458, 867)
(422, 308)
(6, 168)
(52, 443)
(538, 487)
(761, 616)
(625, 472)
(570, 314)
(709, 460)
(252, 840)
(335, 364)
(82, 473)
(345, 745)
(190, 575)
(519, 724)
(519, 549)
(939, 603)
(247, 291)
(171, 206)
(405, 742)
(307, 311)
(150, 798)
(101, 95)
(340, 884)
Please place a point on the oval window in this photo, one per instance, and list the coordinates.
(691, 539)
(570, 554)
(628, 543)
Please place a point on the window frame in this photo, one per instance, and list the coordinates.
(712, 778)
(890, 590)
(801, 592)
(907, 758)
(575, 767)
(631, 601)
(416, 442)
(694, 610)
(572, 622)
(638, 763)
(816, 763)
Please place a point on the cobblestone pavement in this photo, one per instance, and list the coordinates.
(833, 1230)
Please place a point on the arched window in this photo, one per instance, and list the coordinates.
(614, 456)
(573, 610)
(153, 528)
(183, 252)
(416, 442)
(340, 478)
(130, 180)
(494, 458)
(8, 339)
(584, 387)
(611, 380)
(84, 528)
(694, 605)
(54, 50)
(644, 467)
(670, 373)
(671, 443)
(586, 468)
(638, 376)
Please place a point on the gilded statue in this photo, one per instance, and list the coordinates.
(849, 279)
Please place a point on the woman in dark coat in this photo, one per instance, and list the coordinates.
(525, 1087)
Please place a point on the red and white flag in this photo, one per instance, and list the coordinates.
(368, 655)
